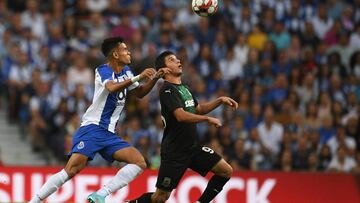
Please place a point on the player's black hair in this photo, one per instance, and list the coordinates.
(160, 60)
(109, 44)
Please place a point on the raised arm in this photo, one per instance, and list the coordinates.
(144, 89)
(113, 86)
(205, 108)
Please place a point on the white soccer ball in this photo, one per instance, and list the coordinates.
(204, 8)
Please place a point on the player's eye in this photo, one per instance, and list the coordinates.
(172, 59)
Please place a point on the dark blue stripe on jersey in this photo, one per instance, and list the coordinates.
(108, 110)
(105, 72)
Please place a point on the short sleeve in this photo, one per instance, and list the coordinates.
(130, 74)
(103, 75)
(170, 99)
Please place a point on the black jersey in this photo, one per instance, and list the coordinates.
(179, 137)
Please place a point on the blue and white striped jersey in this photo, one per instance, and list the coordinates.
(106, 107)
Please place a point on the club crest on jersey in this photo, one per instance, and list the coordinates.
(189, 103)
(81, 145)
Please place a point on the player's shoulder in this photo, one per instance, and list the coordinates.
(104, 68)
(167, 88)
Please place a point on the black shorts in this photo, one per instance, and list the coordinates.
(201, 160)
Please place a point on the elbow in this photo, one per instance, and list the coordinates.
(111, 90)
(140, 96)
(200, 112)
(180, 118)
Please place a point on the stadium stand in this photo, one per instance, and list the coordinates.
(293, 66)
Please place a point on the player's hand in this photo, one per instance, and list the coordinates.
(147, 73)
(214, 121)
(230, 102)
(161, 72)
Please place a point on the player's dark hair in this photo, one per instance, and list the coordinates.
(109, 44)
(160, 60)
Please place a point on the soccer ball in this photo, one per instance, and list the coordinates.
(204, 8)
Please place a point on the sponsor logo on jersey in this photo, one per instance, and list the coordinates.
(189, 103)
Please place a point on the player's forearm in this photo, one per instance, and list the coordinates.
(112, 86)
(144, 89)
(183, 116)
(205, 108)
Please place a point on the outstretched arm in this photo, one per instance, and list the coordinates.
(184, 116)
(113, 86)
(205, 108)
(144, 89)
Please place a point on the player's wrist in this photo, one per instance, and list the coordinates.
(221, 99)
(135, 78)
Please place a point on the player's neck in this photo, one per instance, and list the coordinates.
(174, 80)
(116, 66)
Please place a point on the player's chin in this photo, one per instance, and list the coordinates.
(179, 73)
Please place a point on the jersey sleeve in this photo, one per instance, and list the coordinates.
(103, 75)
(170, 99)
(130, 74)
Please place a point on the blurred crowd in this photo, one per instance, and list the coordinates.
(293, 66)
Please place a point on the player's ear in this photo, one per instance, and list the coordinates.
(115, 55)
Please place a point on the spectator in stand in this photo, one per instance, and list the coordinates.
(326, 131)
(311, 117)
(241, 158)
(205, 62)
(270, 132)
(301, 155)
(286, 161)
(308, 36)
(230, 68)
(324, 105)
(322, 23)
(257, 38)
(355, 37)
(341, 139)
(79, 73)
(40, 110)
(341, 162)
(241, 49)
(98, 29)
(219, 48)
(301, 59)
(19, 81)
(294, 21)
(33, 19)
(344, 49)
(313, 162)
(324, 157)
(332, 35)
(280, 36)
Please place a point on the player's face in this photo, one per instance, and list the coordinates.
(122, 54)
(173, 64)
